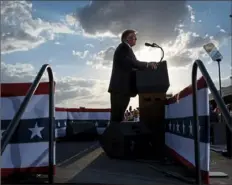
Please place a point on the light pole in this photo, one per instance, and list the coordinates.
(216, 56)
(231, 60)
(219, 77)
(228, 133)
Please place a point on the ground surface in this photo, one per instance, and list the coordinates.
(222, 164)
(85, 162)
(91, 165)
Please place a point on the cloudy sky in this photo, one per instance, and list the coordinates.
(78, 40)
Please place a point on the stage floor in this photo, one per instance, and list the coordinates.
(86, 162)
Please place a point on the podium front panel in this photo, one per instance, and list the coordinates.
(153, 81)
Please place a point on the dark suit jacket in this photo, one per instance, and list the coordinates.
(123, 71)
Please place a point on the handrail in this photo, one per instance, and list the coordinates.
(220, 103)
(15, 121)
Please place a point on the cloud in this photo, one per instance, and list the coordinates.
(222, 30)
(192, 13)
(181, 59)
(19, 72)
(196, 41)
(75, 92)
(167, 28)
(80, 54)
(102, 59)
(21, 32)
(71, 20)
(70, 91)
(225, 81)
(89, 45)
(133, 15)
(180, 77)
(188, 47)
(70, 88)
(183, 51)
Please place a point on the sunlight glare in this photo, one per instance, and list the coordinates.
(148, 54)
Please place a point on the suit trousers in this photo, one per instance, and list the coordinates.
(119, 103)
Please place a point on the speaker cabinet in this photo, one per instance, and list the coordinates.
(127, 140)
(81, 130)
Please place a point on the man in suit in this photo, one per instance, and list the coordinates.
(124, 62)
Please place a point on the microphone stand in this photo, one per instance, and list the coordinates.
(161, 51)
(157, 46)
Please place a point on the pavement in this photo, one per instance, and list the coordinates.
(86, 162)
(218, 163)
(83, 160)
(218, 148)
(68, 152)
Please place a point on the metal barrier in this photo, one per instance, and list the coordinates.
(218, 100)
(15, 121)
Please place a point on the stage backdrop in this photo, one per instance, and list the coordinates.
(28, 149)
(179, 135)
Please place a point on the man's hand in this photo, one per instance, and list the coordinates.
(153, 65)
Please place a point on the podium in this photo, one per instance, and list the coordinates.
(152, 86)
(144, 139)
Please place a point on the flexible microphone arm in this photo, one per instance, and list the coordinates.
(161, 51)
(154, 45)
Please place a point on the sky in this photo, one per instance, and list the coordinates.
(78, 40)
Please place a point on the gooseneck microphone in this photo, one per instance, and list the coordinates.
(150, 45)
(154, 45)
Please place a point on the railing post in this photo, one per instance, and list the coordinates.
(16, 119)
(218, 100)
(220, 103)
(196, 125)
(51, 126)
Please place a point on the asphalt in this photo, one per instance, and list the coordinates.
(68, 152)
(218, 163)
(108, 171)
(86, 162)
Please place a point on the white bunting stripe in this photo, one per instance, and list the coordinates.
(184, 107)
(36, 108)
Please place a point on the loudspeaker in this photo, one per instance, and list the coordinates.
(127, 140)
(81, 130)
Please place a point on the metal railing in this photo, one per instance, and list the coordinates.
(15, 121)
(218, 100)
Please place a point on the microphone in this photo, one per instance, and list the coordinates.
(150, 45)
(154, 45)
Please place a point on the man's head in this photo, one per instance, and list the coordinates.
(129, 36)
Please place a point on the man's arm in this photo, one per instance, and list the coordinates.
(127, 61)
